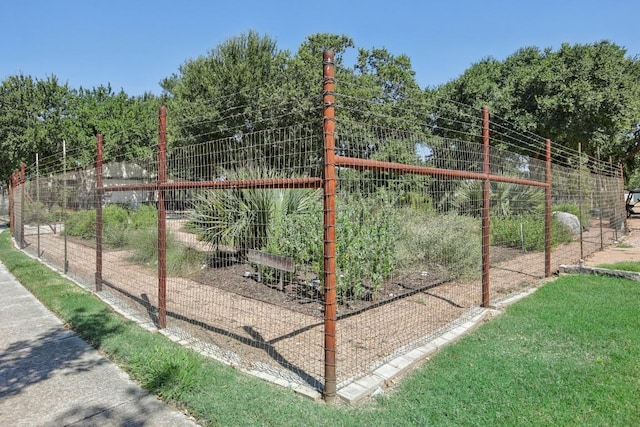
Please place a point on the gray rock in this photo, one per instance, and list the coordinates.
(569, 220)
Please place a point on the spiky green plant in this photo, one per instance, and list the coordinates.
(243, 218)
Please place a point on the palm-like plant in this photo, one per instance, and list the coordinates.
(244, 218)
(506, 199)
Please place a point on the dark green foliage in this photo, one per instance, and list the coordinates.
(81, 224)
(583, 93)
(367, 231)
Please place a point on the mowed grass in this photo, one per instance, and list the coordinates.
(633, 266)
(567, 355)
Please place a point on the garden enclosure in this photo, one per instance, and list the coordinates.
(313, 240)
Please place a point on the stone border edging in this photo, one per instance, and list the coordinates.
(581, 269)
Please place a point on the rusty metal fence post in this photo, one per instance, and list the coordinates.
(12, 184)
(329, 187)
(547, 210)
(162, 218)
(98, 201)
(23, 180)
(486, 208)
(38, 253)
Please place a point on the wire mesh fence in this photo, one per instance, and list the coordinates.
(314, 263)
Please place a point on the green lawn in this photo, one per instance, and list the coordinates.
(567, 355)
(623, 265)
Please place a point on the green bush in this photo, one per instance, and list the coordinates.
(299, 236)
(181, 260)
(242, 218)
(81, 224)
(144, 216)
(449, 243)
(118, 223)
(367, 230)
(527, 233)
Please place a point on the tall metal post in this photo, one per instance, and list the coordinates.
(12, 205)
(162, 218)
(98, 206)
(329, 189)
(38, 202)
(23, 180)
(64, 204)
(625, 224)
(600, 193)
(547, 210)
(12, 184)
(486, 208)
(580, 200)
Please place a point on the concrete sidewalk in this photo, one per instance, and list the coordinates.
(50, 377)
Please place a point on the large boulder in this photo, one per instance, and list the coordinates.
(569, 220)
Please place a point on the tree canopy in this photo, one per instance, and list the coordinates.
(586, 94)
(580, 94)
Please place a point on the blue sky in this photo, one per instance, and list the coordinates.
(134, 44)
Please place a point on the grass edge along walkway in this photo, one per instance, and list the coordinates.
(569, 354)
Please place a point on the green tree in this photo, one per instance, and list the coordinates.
(580, 94)
(33, 115)
(129, 124)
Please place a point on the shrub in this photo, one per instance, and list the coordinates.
(527, 232)
(118, 223)
(242, 218)
(181, 260)
(449, 243)
(367, 231)
(81, 224)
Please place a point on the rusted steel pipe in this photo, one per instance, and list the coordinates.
(376, 165)
(547, 219)
(23, 180)
(98, 203)
(486, 208)
(12, 184)
(215, 185)
(329, 188)
(162, 219)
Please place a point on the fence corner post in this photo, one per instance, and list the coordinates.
(329, 189)
(547, 210)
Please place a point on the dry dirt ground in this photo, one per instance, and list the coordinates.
(628, 249)
(226, 311)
